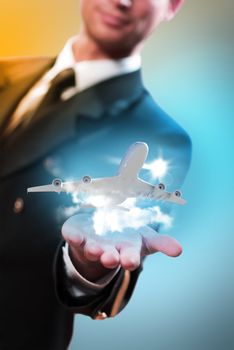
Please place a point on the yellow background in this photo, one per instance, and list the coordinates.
(36, 27)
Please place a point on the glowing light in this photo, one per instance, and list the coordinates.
(158, 168)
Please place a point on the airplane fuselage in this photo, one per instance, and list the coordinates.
(115, 189)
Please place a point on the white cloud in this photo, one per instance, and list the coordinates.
(129, 216)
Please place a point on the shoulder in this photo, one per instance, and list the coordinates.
(148, 115)
(165, 137)
(15, 68)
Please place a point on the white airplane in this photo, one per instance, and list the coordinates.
(116, 189)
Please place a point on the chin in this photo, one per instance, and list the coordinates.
(113, 40)
(116, 48)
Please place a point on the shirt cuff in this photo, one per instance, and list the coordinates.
(77, 280)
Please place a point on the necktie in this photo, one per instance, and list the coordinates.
(50, 95)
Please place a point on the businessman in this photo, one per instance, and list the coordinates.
(67, 116)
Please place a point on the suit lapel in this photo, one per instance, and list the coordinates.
(14, 85)
(57, 124)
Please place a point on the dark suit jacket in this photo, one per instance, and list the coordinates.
(36, 307)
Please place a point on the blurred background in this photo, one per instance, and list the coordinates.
(188, 302)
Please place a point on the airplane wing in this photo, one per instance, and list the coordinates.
(158, 192)
(45, 188)
(133, 160)
(174, 197)
(55, 186)
(86, 184)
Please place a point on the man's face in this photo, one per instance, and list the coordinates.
(122, 24)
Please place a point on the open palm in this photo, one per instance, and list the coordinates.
(93, 254)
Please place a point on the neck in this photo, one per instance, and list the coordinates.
(86, 49)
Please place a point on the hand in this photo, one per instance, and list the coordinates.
(94, 255)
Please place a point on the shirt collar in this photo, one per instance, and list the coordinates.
(88, 73)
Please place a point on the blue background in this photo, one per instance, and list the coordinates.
(187, 303)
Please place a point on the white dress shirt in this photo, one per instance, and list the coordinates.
(87, 74)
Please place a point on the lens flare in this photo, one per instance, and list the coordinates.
(158, 168)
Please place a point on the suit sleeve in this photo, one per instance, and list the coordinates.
(99, 305)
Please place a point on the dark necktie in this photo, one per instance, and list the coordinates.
(58, 84)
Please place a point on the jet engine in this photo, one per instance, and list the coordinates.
(177, 193)
(161, 186)
(86, 179)
(57, 183)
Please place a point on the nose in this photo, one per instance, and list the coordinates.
(125, 3)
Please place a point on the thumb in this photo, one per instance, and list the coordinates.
(154, 242)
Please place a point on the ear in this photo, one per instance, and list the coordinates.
(173, 8)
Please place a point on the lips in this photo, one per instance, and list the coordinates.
(113, 20)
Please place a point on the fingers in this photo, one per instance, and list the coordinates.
(130, 258)
(130, 252)
(127, 255)
(77, 232)
(72, 233)
(92, 250)
(110, 257)
(154, 242)
(106, 254)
